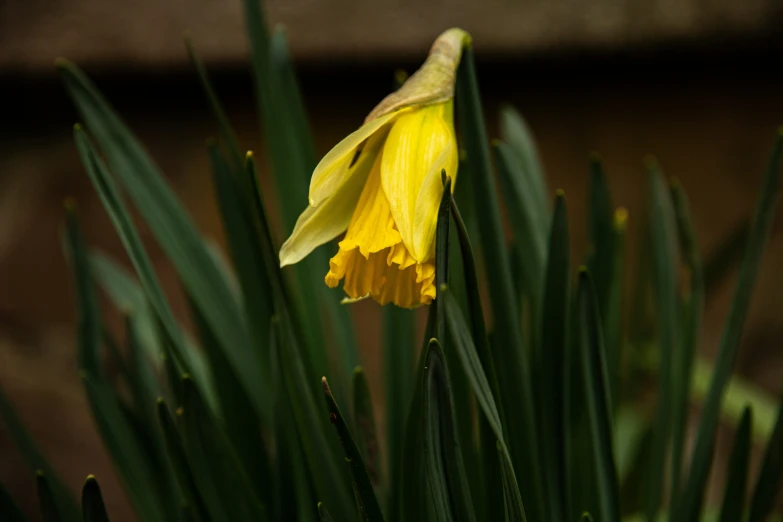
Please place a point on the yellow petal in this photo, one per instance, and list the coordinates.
(425, 219)
(334, 168)
(414, 145)
(317, 225)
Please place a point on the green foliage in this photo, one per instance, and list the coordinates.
(534, 415)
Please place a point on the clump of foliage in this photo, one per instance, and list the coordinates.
(535, 415)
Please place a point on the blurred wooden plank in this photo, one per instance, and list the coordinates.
(148, 33)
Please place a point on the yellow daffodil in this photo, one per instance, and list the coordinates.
(382, 184)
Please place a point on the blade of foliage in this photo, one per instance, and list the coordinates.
(242, 425)
(236, 210)
(613, 319)
(692, 309)
(599, 410)
(701, 459)
(665, 258)
(179, 463)
(553, 359)
(512, 500)
(49, 509)
(214, 464)
(442, 254)
(398, 327)
(444, 465)
(365, 424)
(119, 436)
(369, 509)
(110, 197)
(736, 486)
(770, 479)
(323, 513)
(515, 131)
(513, 373)
(491, 479)
(724, 258)
(224, 125)
(600, 230)
(34, 459)
(528, 219)
(172, 227)
(93, 509)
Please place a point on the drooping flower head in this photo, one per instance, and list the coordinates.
(382, 184)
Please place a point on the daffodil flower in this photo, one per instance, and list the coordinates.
(382, 184)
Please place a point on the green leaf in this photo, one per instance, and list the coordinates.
(553, 360)
(599, 410)
(172, 227)
(93, 509)
(365, 425)
(65, 502)
(398, 328)
(601, 233)
(529, 220)
(179, 463)
(737, 484)
(49, 508)
(369, 509)
(442, 254)
(770, 479)
(515, 131)
(323, 513)
(117, 283)
(512, 500)
(665, 258)
(242, 426)
(239, 224)
(701, 460)
(444, 465)
(692, 310)
(127, 451)
(214, 464)
(614, 331)
(9, 511)
(512, 364)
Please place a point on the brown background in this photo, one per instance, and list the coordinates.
(696, 82)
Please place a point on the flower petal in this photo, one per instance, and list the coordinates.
(414, 144)
(317, 225)
(333, 169)
(425, 219)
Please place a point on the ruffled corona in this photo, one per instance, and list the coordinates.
(382, 186)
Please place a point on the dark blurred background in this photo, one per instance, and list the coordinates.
(699, 83)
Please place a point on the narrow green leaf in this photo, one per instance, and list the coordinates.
(242, 426)
(442, 254)
(735, 493)
(9, 511)
(692, 310)
(93, 509)
(444, 465)
(172, 227)
(323, 513)
(399, 367)
(724, 258)
(512, 500)
(553, 360)
(34, 459)
(224, 125)
(214, 464)
(770, 479)
(111, 277)
(369, 509)
(601, 234)
(529, 220)
(238, 217)
(587, 517)
(665, 258)
(179, 463)
(49, 508)
(599, 410)
(365, 425)
(701, 460)
(614, 331)
(512, 364)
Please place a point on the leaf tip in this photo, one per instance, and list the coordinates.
(325, 386)
(620, 218)
(61, 63)
(650, 162)
(560, 194)
(358, 370)
(69, 204)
